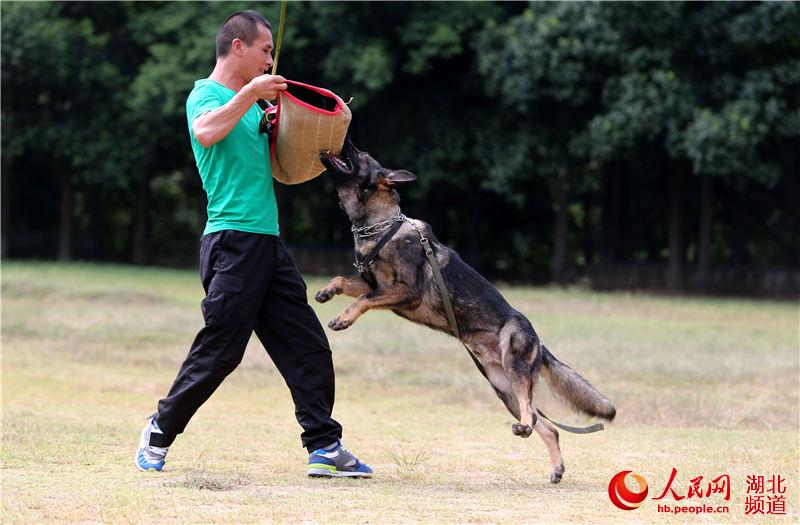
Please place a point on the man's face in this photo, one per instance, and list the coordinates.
(255, 59)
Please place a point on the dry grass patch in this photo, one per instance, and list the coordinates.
(703, 385)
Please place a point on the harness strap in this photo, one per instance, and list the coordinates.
(363, 265)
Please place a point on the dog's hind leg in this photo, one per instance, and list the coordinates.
(350, 287)
(501, 383)
(502, 387)
(519, 353)
(522, 359)
(550, 437)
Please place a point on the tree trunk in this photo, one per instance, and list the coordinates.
(676, 248)
(141, 222)
(475, 217)
(561, 228)
(706, 221)
(587, 232)
(612, 214)
(5, 206)
(96, 223)
(65, 219)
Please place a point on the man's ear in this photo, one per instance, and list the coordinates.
(237, 46)
(392, 177)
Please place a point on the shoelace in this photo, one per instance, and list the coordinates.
(353, 460)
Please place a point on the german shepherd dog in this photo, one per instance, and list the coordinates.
(501, 340)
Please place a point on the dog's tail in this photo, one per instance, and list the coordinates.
(574, 389)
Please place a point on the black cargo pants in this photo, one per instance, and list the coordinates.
(251, 284)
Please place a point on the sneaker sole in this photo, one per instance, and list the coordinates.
(325, 473)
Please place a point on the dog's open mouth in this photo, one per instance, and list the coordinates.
(340, 165)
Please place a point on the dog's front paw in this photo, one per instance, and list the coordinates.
(339, 324)
(521, 430)
(324, 295)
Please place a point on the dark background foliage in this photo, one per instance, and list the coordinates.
(553, 141)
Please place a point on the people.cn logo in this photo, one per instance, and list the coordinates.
(623, 497)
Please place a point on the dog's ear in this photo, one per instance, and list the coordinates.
(392, 177)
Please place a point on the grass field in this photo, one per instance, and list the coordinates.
(707, 386)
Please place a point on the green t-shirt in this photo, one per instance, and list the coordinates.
(235, 171)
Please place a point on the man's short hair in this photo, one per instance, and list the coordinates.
(242, 25)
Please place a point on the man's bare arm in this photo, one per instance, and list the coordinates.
(209, 128)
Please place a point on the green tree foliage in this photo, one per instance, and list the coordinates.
(52, 118)
(643, 92)
(549, 138)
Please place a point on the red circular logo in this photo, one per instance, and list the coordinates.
(623, 497)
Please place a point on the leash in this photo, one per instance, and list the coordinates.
(280, 38)
(266, 124)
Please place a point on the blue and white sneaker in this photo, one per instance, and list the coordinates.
(149, 457)
(336, 462)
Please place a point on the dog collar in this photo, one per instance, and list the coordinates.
(378, 227)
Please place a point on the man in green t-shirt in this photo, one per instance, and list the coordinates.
(250, 280)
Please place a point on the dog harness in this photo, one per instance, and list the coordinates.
(362, 266)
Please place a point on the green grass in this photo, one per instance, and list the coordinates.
(708, 386)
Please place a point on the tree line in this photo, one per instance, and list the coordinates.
(552, 141)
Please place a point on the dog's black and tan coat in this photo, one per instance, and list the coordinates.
(503, 342)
